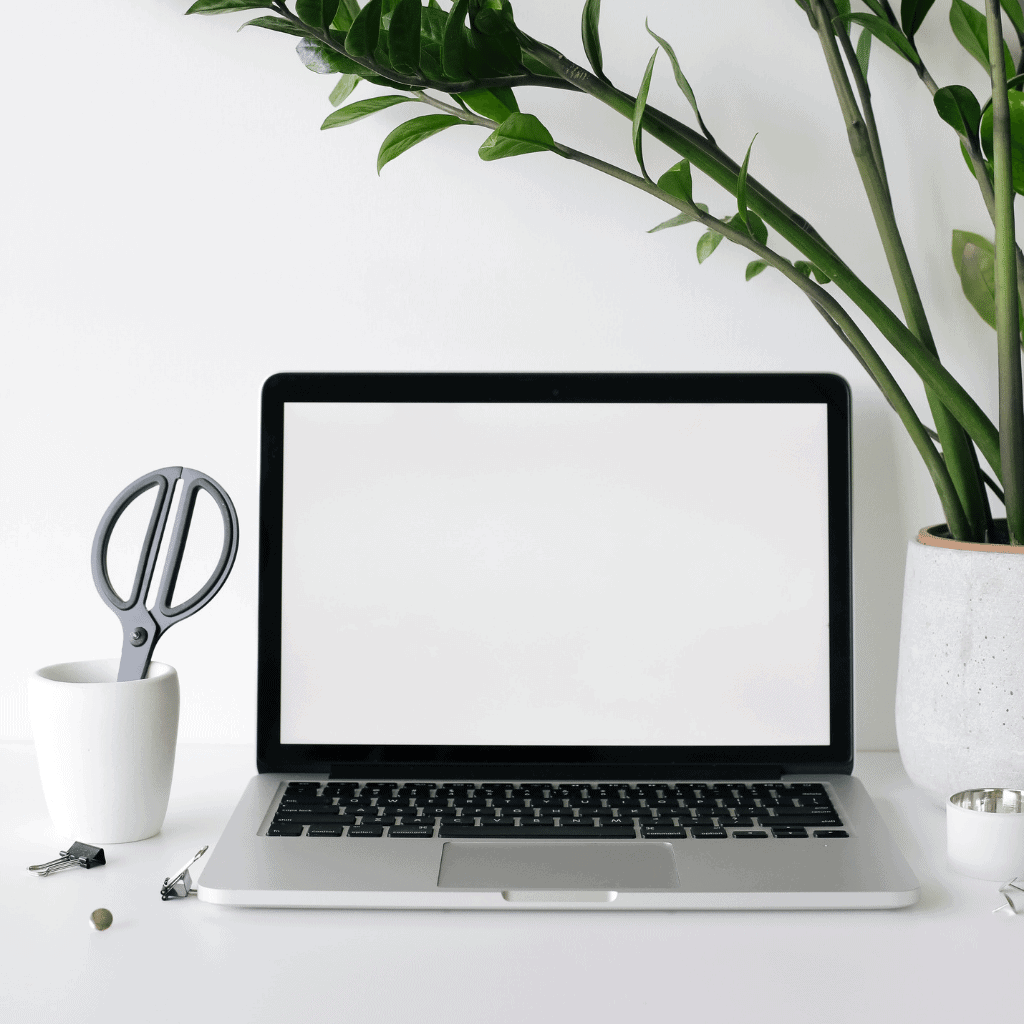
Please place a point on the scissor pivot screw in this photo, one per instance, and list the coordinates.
(139, 637)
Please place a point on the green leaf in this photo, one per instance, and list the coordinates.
(1016, 100)
(888, 34)
(325, 61)
(912, 15)
(971, 29)
(496, 104)
(225, 6)
(362, 108)
(275, 25)
(345, 15)
(1013, 12)
(494, 50)
(974, 258)
(959, 107)
(876, 6)
(681, 218)
(454, 51)
(517, 135)
(404, 37)
(638, 115)
(864, 51)
(707, 244)
(678, 181)
(757, 228)
(684, 85)
(317, 13)
(361, 39)
(819, 276)
(741, 187)
(843, 6)
(407, 135)
(804, 267)
(755, 268)
(343, 89)
(591, 39)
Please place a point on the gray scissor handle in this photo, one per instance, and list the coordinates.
(142, 626)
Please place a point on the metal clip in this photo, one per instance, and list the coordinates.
(77, 855)
(1013, 892)
(180, 886)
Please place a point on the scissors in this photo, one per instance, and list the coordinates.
(144, 626)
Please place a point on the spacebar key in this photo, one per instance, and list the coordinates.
(539, 832)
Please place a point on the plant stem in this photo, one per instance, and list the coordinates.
(724, 171)
(956, 446)
(1011, 397)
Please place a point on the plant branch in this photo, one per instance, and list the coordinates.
(1011, 395)
(956, 446)
(724, 171)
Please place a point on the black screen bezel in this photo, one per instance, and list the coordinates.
(377, 761)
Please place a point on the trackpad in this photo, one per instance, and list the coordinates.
(530, 865)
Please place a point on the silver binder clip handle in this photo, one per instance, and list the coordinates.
(179, 886)
(1013, 893)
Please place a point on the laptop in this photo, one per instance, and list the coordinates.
(535, 641)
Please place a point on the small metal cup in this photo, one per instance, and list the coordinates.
(985, 833)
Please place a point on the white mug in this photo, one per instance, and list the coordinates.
(105, 748)
(985, 833)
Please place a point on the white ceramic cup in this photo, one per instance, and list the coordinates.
(105, 748)
(985, 833)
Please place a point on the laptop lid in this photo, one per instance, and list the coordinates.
(564, 575)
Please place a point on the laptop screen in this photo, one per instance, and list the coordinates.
(591, 574)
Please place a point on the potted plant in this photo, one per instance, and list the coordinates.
(960, 710)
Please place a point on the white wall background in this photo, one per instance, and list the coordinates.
(175, 229)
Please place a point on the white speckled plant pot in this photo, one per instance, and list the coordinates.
(960, 685)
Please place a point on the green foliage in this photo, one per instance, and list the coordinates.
(362, 108)
(343, 89)
(638, 115)
(408, 134)
(754, 268)
(974, 259)
(959, 107)
(912, 15)
(741, 188)
(1013, 12)
(864, 51)
(971, 29)
(361, 39)
(707, 244)
(345, 15)
(224, 6)
(517, 135)
(886, 33)
(678, 181)
(678, 219)
(496, 104)
(275, 25)
(591, 38)
(454, 44)
(404, 37)
(684, 85)
(1016, 137)
(317, 13)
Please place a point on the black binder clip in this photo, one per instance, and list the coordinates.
(77, 855)
(180, 886)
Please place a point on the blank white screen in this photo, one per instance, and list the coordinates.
(586, 574)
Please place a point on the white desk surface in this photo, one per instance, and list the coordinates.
(949, 958)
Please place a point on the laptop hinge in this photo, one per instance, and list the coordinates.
(696, 772)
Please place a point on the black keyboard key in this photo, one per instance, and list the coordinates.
(750, 835)
(411, 831)
(539, 832)
(789, 833)
(536, 822)
(297, 818)
(831, 833)
(787, 821)
(284, 830)
(709, 833)
(803, 812)
(662, 832)
(369, 831)
(727, 822)
(324, 830)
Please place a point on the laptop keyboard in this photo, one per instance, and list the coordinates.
(538, 810)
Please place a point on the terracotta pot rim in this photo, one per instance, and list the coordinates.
(930, 537)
